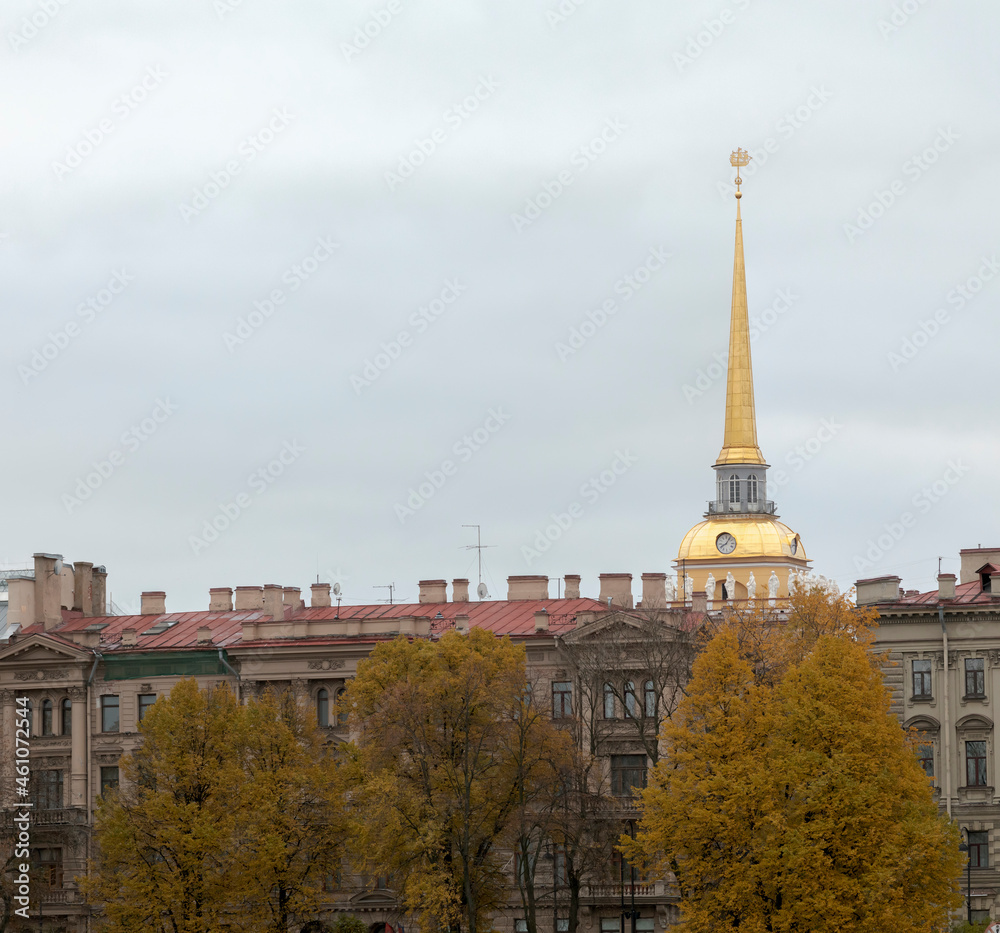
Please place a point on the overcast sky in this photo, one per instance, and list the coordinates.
(359, 238)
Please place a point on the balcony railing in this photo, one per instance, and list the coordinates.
(58, 816)
(614, 891)
(67, 896)
(765, 507)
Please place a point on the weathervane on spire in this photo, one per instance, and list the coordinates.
(738, 159)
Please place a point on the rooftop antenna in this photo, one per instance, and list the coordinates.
(481, 590)
(386, 586)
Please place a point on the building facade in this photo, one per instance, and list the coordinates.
(88, 678)
(942, 664)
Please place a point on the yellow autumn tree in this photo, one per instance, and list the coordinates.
(164, 858)
(444, 757)
(795, 804)
(228, 816)
(291, 831)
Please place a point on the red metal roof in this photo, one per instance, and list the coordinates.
(965, 594)
(503, 617)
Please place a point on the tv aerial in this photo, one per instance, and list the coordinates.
(481, 590)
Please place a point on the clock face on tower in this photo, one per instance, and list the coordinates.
(726, 543)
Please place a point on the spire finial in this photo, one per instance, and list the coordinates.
(737, 160)
(740, 441)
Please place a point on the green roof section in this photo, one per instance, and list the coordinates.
(164, 664)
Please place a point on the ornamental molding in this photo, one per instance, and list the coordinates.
(325, 665)
(57, 673)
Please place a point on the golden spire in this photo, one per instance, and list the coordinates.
(739, 444)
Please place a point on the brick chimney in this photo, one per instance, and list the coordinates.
(83, 587)
(21, 600)
(946, 586)
(528, 587)
(654, 590)
(572, 590)
(462, 624)
(220, 599)
(273, 604)
(292, 597)
(699, 602)
(877, 590)
(320, 594)
(433, 591)
(100, 583)
(616, 589)
(541, 621)
(48, 590)
(459, 590)
(249, 598)
(153, 603)
(129, 637)
(204, 635)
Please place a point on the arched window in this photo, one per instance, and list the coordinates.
(323, 707)
(341, 712)
(734, 489)
(47, 717)
(609, 701)
(752, 488)
(630, 699)
(650, 700)
(67, 716)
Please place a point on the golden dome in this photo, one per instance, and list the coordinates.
(756, 537)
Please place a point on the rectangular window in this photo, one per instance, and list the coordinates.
(645, 925)
(621, 869)
(975, 764)
(562, 699)
(925, 756)
(562, 925)
(975, 677)
(979, 849)
(49, 790)
(109, 714)
(559, 867)
(67, 716)
(609, 701)
(627, 772)
(921, 678)
(49, 865)
(109, 778)
(146, 700)
(629, 700)
(524, 868)
(610, 924)
(650, 700)
(521, 926)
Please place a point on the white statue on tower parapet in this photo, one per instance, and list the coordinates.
(710, 590)
(772, 589)
(730, 587)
